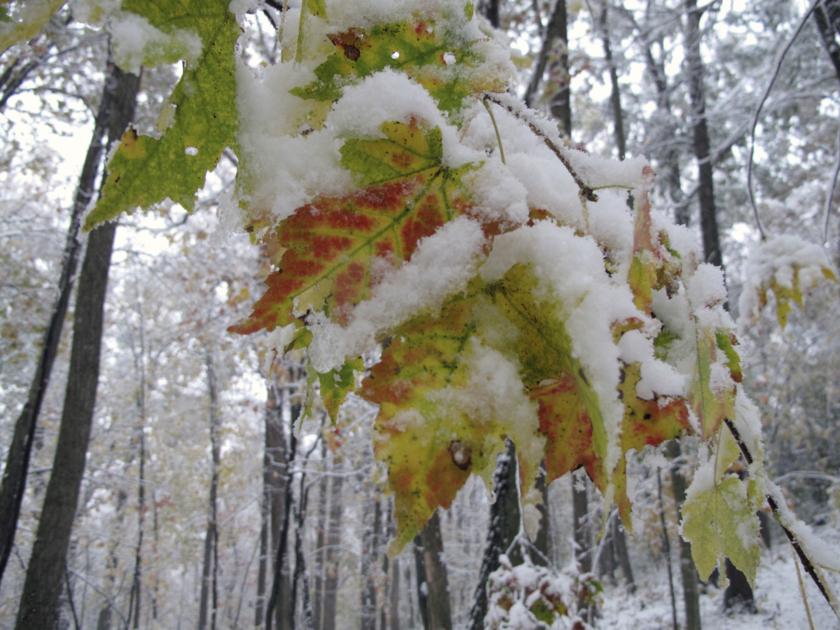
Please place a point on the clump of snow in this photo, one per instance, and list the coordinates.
(497, 194)
(241, 7)
(657, 377)
(441, 266)
(136, 42)
(93, 12)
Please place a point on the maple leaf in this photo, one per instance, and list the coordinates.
(329, 246)
(569, 410)
(712, 404)
(646, 423)
(337, 384)
(429, 455)
(424, 50)
(721, 521)
(147, 170)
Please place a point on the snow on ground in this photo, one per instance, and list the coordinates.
(777, 597)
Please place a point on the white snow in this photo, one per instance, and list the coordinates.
(136, 42)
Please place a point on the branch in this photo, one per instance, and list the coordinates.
(807, 563)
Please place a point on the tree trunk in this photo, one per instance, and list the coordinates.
(691, 591)
(209, 598)
(827, 19)
(615, 90)
(136, 583)
(666, 547)
(555, 34)
(320, 540)
(504, 526)
(112, 108)
(434, 588)
(43, 583)
(331, 559)
(490, 9)
(697, 93)
(394, 596)
(372, 523)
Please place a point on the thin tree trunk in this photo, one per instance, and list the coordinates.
(666, 546)
(691, 591)
(209, 597)
(280, 597)
(490, 9)
(331, 560)
(504, 526)
(368, 569)
(136, 583)
(43, 583)
(320, 541)
(300, 581)
(555, 35)
(394, 596)
(615, 89)
(20, 450)
(434, 589)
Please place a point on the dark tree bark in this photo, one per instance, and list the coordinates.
(279, 603)
(555, 36)
(615, 89)
(695, 72)
(20, 450)
(209, 598)
(490, 9)
(827, 19)
(504, 526)
(666, 546)
(300, 581)
(43, 583)
(373, 523)
(688, 572)
(433, 589)
(331, 560)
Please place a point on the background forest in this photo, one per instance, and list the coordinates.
(209, 457)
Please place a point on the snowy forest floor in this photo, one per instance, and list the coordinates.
(777, 593)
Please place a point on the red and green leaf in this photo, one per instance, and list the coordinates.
(327, 248)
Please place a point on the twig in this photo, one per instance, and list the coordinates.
(761, 103)
(495, 128)
(803, 593)
(807, 564)
(830, 195)
(586, 191)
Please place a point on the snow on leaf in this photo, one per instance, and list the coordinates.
(569, 410)
(787, 267)
(720, 521)
(330, 246)
(429, 456)
(646, 423)
(147, 170)
(712, 402)
(419, 48)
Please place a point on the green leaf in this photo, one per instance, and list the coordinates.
(337, 384)
(147, 170)
(721, 522)
(423, 50)
(26, 22)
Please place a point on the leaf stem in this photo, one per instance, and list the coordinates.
(486, 102)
